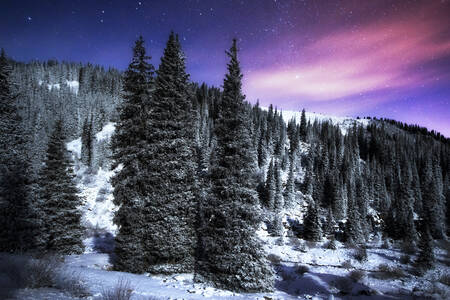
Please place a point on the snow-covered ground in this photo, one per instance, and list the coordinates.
(72, 84)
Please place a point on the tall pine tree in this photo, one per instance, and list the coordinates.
(59, 201)
(17, 210)
(233, 257)
(170, 208)
(130, 150)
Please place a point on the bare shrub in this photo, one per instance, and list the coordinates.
(357, 275)
(301, 269)
(122, 291)
(43, 272)
(72, 283)
(25, 272)
(388, 272)
(347, 264)
(274, 259)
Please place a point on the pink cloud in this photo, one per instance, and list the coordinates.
(347, 62)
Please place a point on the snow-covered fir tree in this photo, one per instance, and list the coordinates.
(17, 210)
(59, 202)
(170, 206)
(130, 153)
(232, 254)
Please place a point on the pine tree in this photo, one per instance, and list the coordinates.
(62, 232)
(269, 188)
(426, 258)
(233, 256)
(432, 200)
(289, 191)
(130, 151)
(353, 233)
(170, 207)
(312, 227)
(278, 200)
(303, 126)
(17, 212)
(87, 143)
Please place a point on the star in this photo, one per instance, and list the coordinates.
(29, 19)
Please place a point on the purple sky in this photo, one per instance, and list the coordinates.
(357, 58)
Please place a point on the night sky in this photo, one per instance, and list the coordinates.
(355, 58)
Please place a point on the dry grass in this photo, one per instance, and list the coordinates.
(21, 272)
(357, 275)
(122, 291)
(388, 272)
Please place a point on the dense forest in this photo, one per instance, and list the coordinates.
(199, 169)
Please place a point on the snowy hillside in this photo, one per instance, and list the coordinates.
(73, 85)
(343, 122)
(96, 190)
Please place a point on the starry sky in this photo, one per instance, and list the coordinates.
(379, 58)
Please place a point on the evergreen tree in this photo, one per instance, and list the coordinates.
(278, 201)
(432, 200)
(130, 150)
(303, 126)
(233, 256)
(62, 232)
(289, 191)
(170, 207)
(353, 233)
(87, 143)
(312, 227)
(270, 189)
(426, 258)
(17, 211)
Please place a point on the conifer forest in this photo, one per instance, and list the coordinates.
(144, 183)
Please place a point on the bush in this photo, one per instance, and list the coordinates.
(72, 283)
(331, 244)
(347, 264)
(357, 275)
(274, 259)
(385, 244)
(43, 272)
(360, 254)
(343, 284)
(408, 248)
(25, 272)
(286, 275)
(122, 291)
(445, 279)
(301, 269)
(297, 245)
(405, 259)
(387, 272)
(311, 244)
(279, 241)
